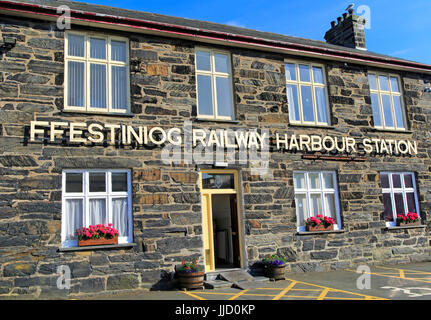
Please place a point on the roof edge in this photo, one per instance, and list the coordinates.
(45, 12)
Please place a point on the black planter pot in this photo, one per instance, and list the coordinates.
(276, 272)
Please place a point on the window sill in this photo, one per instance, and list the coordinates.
(307, 233)
(405, 227)
(389, 130)
(214, 120)
(303, 125)
(110, 246)
(111, 114)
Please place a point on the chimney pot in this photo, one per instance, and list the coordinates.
(347, 32)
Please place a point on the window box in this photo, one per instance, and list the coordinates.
(319, 228)
(407, 224)
(97, 242)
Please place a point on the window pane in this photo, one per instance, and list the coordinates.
(399, 203)
(97, 48)
(97, 208)
(387, 202)
(317, 75)
(75, 45)
(387, 110)
(224, 97)
(316, 205)
(384, 84)
(118, 51)
(301, 208)
(120, 216)
(98, 85)
(314, 179)
(394, 85)
(408, 181)
(411, 203)
(398, 111)
(97, 182)
(292, 100)
(396, 181)
(330, 206)
(74, 182)
(328, 181)
(320, 96)
(218, 181)
(205, 100)
(221, 63)
(372, 79)
(119, 181)
(299, 179)
(75, 84)
(375, 104)
(304, 73)
(384, 179)
(290, 71)
(119, 87)
(307, 103)
(73, 217)
(203, 61)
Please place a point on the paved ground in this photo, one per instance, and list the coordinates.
(401, 282)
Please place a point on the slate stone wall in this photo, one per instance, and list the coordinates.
(167, 220)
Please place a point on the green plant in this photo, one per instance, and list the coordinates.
(190, 266)
(274, 260)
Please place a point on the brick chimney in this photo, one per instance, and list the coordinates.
(348, 31)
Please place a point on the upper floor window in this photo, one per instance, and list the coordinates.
(306, 94)
(96, 73)
(386, 101)
(214, 85)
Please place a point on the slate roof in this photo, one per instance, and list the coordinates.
(203, 25)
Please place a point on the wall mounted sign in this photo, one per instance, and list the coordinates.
(223, 138)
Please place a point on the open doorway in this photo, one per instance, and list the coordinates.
(225, 231)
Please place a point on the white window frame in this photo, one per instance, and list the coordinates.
(313, 85)
(213, 74)
(307, 191)
(87, 60)
(86, 195)
(391, 93)
(391, 190)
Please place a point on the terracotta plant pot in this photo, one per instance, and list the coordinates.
(319, 227)
(405, 224)
(274, 271)
(97, 242)
(190, 280)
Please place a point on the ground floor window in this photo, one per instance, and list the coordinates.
(316, 193)
(399, 195)
(92, 197)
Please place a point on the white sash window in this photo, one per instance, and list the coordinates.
(92, 197)
(96, 73)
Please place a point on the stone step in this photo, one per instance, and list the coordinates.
(214, 284)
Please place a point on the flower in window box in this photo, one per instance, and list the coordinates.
(319, 223)
(97, 235)
(190, 274)
(275, 266)
(411, 218)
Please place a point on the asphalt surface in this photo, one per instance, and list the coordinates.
(399, 282)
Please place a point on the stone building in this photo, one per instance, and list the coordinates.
(105, 114)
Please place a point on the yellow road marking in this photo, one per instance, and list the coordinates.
(192, 295)
(402, 275)
(238, 294)
(323, 294)
(338, 290)
(389, 276)
(282, 293)
(405, 270)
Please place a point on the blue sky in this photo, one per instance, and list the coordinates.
(399, 28)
